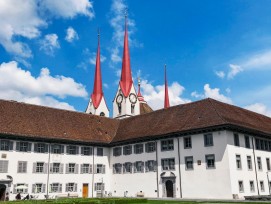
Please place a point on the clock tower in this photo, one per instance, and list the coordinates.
(97, 104)
(125, 103)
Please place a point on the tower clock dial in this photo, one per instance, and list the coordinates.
(132, 98)
(119, 98)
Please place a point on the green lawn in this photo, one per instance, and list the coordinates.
(120, 201)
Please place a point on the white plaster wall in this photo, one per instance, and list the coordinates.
(125, 105)
(101, 108)
(202, 182)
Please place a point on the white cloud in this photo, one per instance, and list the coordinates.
(117, 23)
(262, 60)
(212, 93)
(220, 74)
(259, 108)
(25, 18)
(234, 70)
(154, 95)
(68, 8)
(71, 35)
(18, 84)
(92, 59)
(49, 44)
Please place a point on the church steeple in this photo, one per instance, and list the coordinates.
(97, 104)
(125, 103)
(166, 102)
(126, 80)
(139, 95)
(97, 93)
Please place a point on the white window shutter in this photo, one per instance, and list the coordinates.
(135, 169)
(146, 166)
(14, 188)
(33, 188)
(95, 187)
(81, 168)
(60, 188)
(45, 168)
(75, 187)
(43, 188)
(142, 169)
(66, 187)
(26, 190)
(67, 168)
(103, 170)
(61, 168)
(102, 186)
(114, 169)
(34, 167)
(155, 165)
(76, 169)
(95, 169)
(90, 169)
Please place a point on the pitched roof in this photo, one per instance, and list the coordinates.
(40, 122)
(20, 119)
(145, 108)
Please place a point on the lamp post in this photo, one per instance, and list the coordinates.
(268, 181)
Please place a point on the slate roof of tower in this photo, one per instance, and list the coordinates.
(44, 123)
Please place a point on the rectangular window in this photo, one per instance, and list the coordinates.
(56, 188)
(168, 164)
(187, 142)
(40, 147)
(139, 167)
(257, 141)
(71, 187)
(72, 149)
(99, 187)
(259, 162)
(138, 148)
(251, 185)
(57, 149)
(117, 168)
(238, 162)
(3, 166)
(56, 168)
(127, 150)
(38, 188)
(247, 142)
(241, 186)
(262, 186)
(71, 168)
(210, 161)
(208, 140)
(20, 190)
(100, 169)
(150, 147)
(23, 146)
(86, 168)
(6, 145)
(100, 151)
(150, 166)
(236, 139)
(39, 167)
(86, 151)
(22, 167)
(268, 164)
(117, 151)
(249, 163)
(167, 145)
(127, 167)
(189, 163)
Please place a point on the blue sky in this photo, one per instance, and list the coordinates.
(217, 49)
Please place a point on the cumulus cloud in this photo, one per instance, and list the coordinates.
(262, 60)
(259, 108)
(154, 95)
(25, 18)
(71, 35)
(21, 85)
(234, 70)
(212, 93)
(92, 59)
(220, 74)
(49, 44)
(117, 23)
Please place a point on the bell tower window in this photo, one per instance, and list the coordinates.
(119, 108)
(102, 114)
(132, 108)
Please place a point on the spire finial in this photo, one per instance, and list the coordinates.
(98, 33)
(138, 81)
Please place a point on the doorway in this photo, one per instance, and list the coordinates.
(169, 188)
(85, 190)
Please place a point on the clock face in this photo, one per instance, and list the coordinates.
(132, 98)
(119, 98)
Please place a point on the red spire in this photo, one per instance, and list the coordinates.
(139, 95)
(166, 102)
(97, 94)
(126, 75)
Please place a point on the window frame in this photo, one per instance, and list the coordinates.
(187, 167)
(206, 161)
(187, 144)
(208, 140)
(167, 145)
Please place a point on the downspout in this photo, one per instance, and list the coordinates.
(179, 159)
(254, 157)
(48, 172)
(157, 183)
(92, 187)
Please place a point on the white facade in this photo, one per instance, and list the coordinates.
(221, 180)
(102, 109)
(123, 106)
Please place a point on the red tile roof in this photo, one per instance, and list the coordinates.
(25, 120)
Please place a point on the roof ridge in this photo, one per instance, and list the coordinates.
(210, 101)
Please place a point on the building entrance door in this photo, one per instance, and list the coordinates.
(85, 190)
(169, 188)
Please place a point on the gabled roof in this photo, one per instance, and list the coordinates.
(38, 122)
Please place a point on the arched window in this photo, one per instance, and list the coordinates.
(119, 107)
(102, 114)
(90, 113)
(132, 108)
